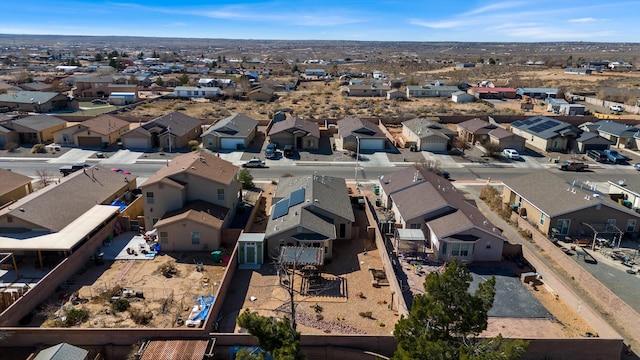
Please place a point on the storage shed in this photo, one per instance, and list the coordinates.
(250, 251)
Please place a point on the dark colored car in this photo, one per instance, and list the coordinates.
(99, 101)
(288, 151)
(68, 169)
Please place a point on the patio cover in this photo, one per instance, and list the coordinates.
(410, 235)
(301, 256)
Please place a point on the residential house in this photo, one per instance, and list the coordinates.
(301, 134)
(262, 93)
(537, 93)
(171, 131)
(100, 131)
(196, 92)
(36, 101)
(546, 134)
(36, 129)
(233, 132)
(396, 94)
(461, 97)
(89, 86)
(590, 141)
(475, 131)
(4, 88)
(427, 134)
(315, 73)
(190, 200)
(574, 209)
(619, 135)
(310, 211)
(35, 86)
(454, 226)
(365, 90)
(364, 134)
(492, 92)
(430, 91)
(505, 139)
(62, 351)
(8, 136)
(13, 186)
(578, 71)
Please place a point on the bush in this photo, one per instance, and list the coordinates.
(139, 316)
(75, 316)
(38, 149)
(194, 144)
(11, 146)
(120, 305)
(366, 314)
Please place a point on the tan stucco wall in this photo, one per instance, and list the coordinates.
(16, 194)
(179, 233)
(165, 199)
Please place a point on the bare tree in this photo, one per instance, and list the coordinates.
(461, 144)
(44, 177)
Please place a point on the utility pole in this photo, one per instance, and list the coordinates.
(357, 159)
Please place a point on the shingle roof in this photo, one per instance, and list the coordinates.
(238, 125)
(10, 180)
(105, 124)
(424, 127)
(28, 97)
(420, 199)
(541, 126)
(475, 125)
(198, 211)
(198, 163)
(296, 124)
(39, 122)
(500, 133)
(614, 128)
(54, 207)
(180, 123)
(357, 127)
(62, 351)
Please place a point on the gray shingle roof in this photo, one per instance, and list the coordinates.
(424, 127)
(28, 97)
(296, 124)
(39, 122)
(614, 128)
(62, 351)
(238, 125)
(180, 123)
(475, 126)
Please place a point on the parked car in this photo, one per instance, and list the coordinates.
(68, 169)
(270, 151)
(597, 155)
(614, 156)
(511, 154)
(288, 151)
(636, 166)
(99, 101)
(616, 108)
(572, 166)
(254, 163)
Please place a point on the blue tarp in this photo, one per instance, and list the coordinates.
(120, 204)
(205, 302)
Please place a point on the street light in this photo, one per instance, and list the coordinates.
(357, 159)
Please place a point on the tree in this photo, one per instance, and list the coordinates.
(276, 336)
(445, 321)
(491, 148)
(246, 179)
(461, 144)
(98, 57)
(183, 79)
(492, 61)
(159, 81)
(295, 69)
(44, 177)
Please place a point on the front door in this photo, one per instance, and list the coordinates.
(343, 230)
(298, 143)
(250, 253)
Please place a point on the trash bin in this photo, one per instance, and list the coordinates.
(216, 256)
(376, 190)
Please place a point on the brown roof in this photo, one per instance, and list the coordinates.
(358, 127)
(10, 180)
(421, 199)
(199, 211)
(56, 206)
(175, 350)
(180, 123)
(501, 133)
(199, 163)
(295, 123)
(105, 124)
(475, 125)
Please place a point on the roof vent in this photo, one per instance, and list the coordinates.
(315, 201)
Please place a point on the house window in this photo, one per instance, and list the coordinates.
(164, 237)
(415, 226)
(488, 246)
(221, 194)
(150, 197)
(542, 218)
(195, 237)
(444, 248)
(458, 249)
(10, 219)
(611, 225)
(210, 141)
(631, 225)
(563, 226)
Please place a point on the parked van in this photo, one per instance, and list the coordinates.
(597, 155)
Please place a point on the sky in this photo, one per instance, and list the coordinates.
(376, 20)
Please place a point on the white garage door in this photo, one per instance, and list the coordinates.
(433, 146)
(232, 144)
(135, 143)
(372, 144)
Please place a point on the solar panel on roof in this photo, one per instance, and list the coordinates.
(297, 197)
(536, 128)
(281, 209)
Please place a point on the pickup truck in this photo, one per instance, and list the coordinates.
(614, 156)
(572, 166)
(68, 169)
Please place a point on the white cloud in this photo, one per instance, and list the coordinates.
(439, 24)
(583, 20)
(492, 7)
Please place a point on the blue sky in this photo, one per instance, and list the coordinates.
(378, 20)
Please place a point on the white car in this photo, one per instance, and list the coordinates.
(617, 108)
(254, 163)
(511, 154)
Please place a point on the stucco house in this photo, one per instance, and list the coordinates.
(13, 186)
(301, 134)
(171, 131)
(574, 209)
(618, 134)
(475, 131)
(36, 129)
(233, 132)
(453, 225)
(89, 86)
(102, 130)
(37, 101)
(263, 93)
(190, 200)
(196, 92)
(492, 92)
(360, 132)
(506, 139)
(309, 211)
(427, 134)
(8, 136)
(430, 91)
(545, 133)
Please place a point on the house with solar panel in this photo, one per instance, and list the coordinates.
(309, 211)
(546, 134)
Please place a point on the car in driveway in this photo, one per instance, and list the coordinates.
(270, 151)
(254, 163)
(614, 156)
(616, 108)
(511, 154)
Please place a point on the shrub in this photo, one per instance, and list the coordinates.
(366, 314)
(38, 149)
(140, 316)
(120, 305)
(194, 144)
(11, 146)
(75, 316)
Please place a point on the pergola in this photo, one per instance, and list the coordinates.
(606, 229)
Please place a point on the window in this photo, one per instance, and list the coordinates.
(444, 248)
(195, 237)
(415, 226)
(611, 225)
(10, 219)
(459, 249)
(488, 245)
(563, 225)
(542, 219)
(164, 237)
(210, 141)
(150, 199)
(221, 194)
(631, 225)
(154, 221)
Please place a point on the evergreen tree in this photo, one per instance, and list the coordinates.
(276, 336)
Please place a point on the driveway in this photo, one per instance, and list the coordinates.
(72, 156)
(122, 157)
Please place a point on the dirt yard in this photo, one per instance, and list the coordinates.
(164, 298)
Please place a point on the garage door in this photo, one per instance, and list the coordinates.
(232, 144)
(433, 146)
(372, 144)
(89, 141)
(135, 143)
